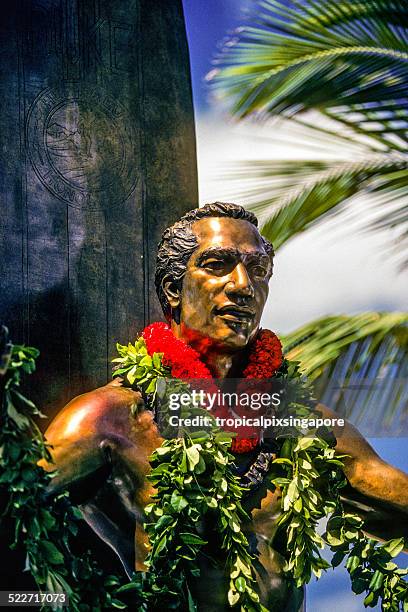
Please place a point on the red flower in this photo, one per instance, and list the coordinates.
(265, 358)
(184, 361)
(245, 445)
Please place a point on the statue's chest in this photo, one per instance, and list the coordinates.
(264, 516)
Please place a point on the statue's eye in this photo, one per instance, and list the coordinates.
(259, 271)
(216, 265)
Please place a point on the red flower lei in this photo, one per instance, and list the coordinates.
(264, 359)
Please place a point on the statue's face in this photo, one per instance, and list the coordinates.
(226, 283)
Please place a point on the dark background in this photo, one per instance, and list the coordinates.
(97, 158)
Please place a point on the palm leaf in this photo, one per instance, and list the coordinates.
(349, 61)
(359, 366)
(340, 57)
(292, 196)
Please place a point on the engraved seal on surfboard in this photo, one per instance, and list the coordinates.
(81, 146)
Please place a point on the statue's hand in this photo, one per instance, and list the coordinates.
(374, 483)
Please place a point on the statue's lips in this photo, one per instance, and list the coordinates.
(235, 313)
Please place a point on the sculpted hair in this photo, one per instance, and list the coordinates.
(179, 242)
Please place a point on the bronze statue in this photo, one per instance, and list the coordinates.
(213, 270)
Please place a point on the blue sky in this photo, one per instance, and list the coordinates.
(208, 22)
(331, 269)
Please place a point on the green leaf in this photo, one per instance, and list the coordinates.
(358, 585)
(353, 563)
(233, 598)
(47, 519)
(241, 584)
(191, 605)
(146, 361)
(116, 603)
(178, 502)
(161, 544)
(292, 492)
(337, 558)
(283, 460)
(53, 555)
(394, 547)
(192, 538)
(163, 450)
(132, 586)
(304, 444)
(193, 456)
(20, 420)
(201, 466)
(376, 581)
(371, 600)
(157, 361)
(334, 539)
(151, 387)
(131, 375)
(164, 521)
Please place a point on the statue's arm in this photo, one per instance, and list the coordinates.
(98, 452)
(82, 435)
(376, 490)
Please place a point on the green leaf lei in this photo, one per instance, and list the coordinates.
(194, 477)
(45, 528)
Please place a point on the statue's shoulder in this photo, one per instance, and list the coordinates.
(96, 411)
(111, 417)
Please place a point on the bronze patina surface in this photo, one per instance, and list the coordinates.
(212, 279)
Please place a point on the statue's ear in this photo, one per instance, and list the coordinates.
(171, 291)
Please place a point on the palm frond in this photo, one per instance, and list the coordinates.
(348, 59)
(359, 367)
(292, 196)
(386, 121)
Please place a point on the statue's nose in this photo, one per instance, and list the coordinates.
(239, 282)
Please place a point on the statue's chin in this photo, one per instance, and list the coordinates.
(236, 338)
(225, 337)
